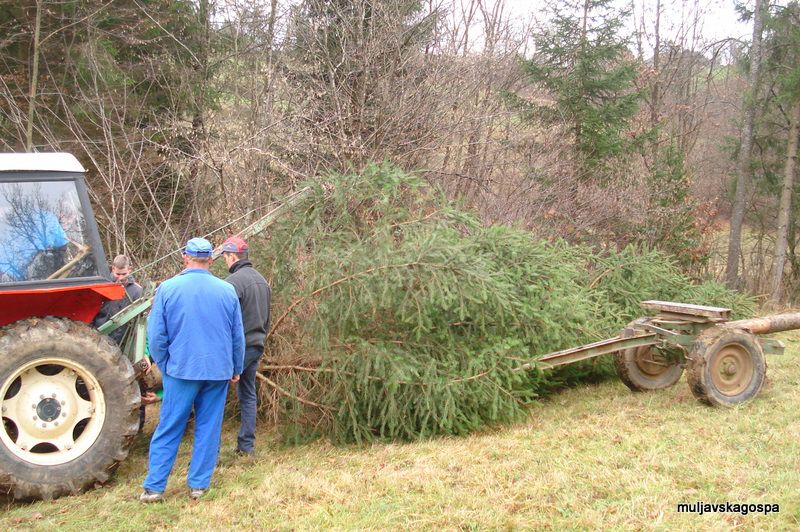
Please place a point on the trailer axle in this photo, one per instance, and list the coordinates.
(724, 359)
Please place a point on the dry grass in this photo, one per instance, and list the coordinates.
(593, 457)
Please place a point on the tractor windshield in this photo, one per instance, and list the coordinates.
(43, 233)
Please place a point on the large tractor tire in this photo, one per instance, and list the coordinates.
(726, 366)
(70, 408)
(646, 368)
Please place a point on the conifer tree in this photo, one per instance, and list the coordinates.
(400, 316)
(583, 60)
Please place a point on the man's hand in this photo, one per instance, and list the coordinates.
(149, 398)
(235, 379)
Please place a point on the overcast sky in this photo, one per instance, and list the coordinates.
(720, 17)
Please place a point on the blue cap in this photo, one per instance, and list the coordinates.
(198, 247)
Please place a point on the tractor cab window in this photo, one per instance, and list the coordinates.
(43, 232)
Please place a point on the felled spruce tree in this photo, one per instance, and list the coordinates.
(398, 316)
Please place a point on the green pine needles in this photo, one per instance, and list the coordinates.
(399, 316)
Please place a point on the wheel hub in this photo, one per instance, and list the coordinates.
(732, 370)
(651, 361)
(53, 411)
(48, 409)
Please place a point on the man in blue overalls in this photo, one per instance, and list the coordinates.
(196, 337)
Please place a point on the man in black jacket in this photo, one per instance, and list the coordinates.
(121, 272)
(254, 298)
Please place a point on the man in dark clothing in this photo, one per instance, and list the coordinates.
(121, 272)
(254, 298)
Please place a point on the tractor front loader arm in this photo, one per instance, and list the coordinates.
(134, 345)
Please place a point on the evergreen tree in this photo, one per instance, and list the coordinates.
(670, 222)
(89, 54)
(400, 316)
(583, 60)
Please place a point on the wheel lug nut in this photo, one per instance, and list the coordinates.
(35, 418)
(63, 403)
(55, 423)
(63, 414)
(53, 396)
(41, 396)
(33, 406)
(44, 425)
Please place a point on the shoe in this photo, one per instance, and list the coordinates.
(196, 493)
(151, 496)
(240, 452)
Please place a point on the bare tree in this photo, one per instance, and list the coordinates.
(785, 208)
(34, 77)
(744, 170)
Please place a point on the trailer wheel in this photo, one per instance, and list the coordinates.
(70, 408)
(646, 368)
(726, 367)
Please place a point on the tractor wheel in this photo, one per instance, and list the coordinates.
(726, 367)
(646, 368)
(70, 408)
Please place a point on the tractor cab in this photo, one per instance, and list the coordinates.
(51, 259)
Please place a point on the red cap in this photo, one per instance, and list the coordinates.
(234, 245)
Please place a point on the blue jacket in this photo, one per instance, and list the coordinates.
(195, 327)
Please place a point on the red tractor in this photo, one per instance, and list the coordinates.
(70, 400)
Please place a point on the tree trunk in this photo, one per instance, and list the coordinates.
(199, 129)
(273, 8)
(655, 92)
(785, 209)
(34, 82)
(744, 164)
(579, 65)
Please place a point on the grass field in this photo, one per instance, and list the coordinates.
(592, 457)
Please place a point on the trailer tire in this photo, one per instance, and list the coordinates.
(70, 407)
(726, 366)
(644, 368)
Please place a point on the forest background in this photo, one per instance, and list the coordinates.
(587, 134)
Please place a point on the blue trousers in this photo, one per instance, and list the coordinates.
(180, 395)
(247, 399)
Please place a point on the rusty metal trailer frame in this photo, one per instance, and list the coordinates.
(724, 359)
